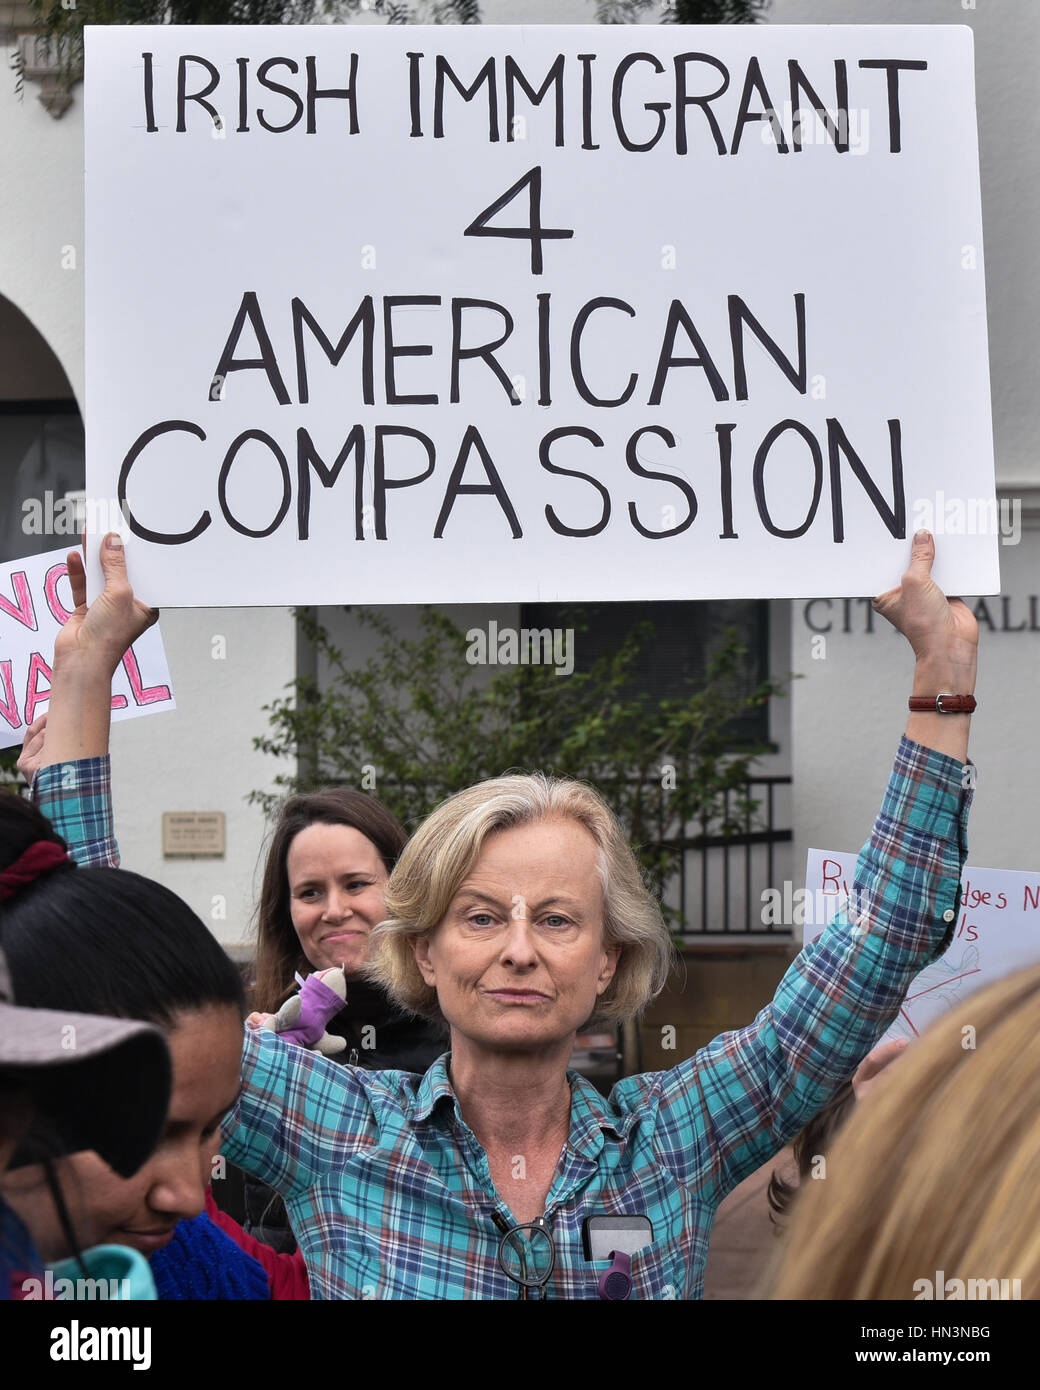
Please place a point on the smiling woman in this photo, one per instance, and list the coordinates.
(325, 873)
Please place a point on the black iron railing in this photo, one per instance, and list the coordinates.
(718, 888)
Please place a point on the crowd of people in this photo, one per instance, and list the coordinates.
(446, 1151)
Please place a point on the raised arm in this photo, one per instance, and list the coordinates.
(728, 1109)
(87, 651)
(67, 754)
(295, 1112)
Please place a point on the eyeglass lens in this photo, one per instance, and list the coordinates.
(527, 1255)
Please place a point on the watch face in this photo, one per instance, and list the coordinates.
(615, 1285)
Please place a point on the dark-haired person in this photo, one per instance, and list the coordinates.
(119, 945)
(115, 942)
(517, 913)
(108, 1092)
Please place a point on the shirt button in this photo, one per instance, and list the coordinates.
(949, 915)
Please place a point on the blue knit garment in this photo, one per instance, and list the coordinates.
(202, 1262)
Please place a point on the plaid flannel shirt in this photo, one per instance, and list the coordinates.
(389, 1192)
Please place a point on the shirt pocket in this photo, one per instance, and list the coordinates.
(658, 1271)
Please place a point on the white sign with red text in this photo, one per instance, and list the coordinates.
(998, 931)
(35, 603)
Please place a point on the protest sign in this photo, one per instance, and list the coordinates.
(998, 931)
(434, 314)
(35, 603)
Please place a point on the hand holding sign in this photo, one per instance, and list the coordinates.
(939, 629)
(39, 597)
(87, 651)
(945, 637)
(100, 634)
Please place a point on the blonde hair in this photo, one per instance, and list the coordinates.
(441, 853)
(937, 1170)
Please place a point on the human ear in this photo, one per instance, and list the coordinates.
(611, 956)
(421, 946)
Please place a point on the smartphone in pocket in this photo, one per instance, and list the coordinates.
(602, 1235)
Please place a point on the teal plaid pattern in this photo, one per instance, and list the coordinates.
(390, 1194)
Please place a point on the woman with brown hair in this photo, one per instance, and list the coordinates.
(328, 862)
(935, 1178)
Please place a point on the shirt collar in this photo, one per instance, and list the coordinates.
(434, 1087)
(591, 1115)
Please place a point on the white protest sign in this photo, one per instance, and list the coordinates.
(402, 314)
(35, 603)
(998, 931)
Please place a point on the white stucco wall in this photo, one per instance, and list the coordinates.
(200, 757)
(850, 710)
(41, 217)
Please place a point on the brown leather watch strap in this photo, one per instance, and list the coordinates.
(943, 704)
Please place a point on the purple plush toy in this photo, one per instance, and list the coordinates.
(302, 1018)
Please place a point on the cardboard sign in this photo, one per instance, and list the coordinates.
(35, 604)
(395, 314)
(998, 932)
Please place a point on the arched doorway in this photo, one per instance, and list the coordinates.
(41, 441)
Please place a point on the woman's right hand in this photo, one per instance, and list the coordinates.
(99, 636)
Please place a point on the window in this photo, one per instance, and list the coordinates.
(41, 456)
(686, 634)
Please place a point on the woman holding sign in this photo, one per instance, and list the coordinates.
(517, 914)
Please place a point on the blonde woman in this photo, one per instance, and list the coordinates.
(517, 915)
(935, 1180)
